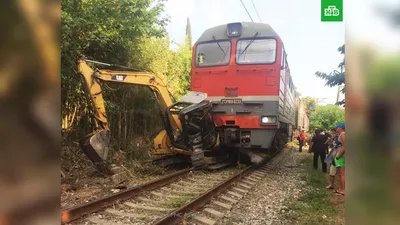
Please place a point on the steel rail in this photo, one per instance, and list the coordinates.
(175, 216)
(76, 212)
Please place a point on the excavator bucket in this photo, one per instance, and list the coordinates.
(96, 147)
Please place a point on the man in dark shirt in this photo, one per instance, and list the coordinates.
(328, 137)
(318, 147)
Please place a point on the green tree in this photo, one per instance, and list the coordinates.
(326, 117)
(189, 33)
(310, 104)
(125, 32)
(172, 66)
(179, 70)
(335, 78)
(103, 30)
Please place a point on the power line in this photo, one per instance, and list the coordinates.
(246, 10)
(252, 2)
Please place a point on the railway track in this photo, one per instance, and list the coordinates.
(188, 196)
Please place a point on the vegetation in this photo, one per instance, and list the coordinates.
(310, 104)
(326, 117)
(178, 202)
(314, 206)
(336, 78)
(125, 32)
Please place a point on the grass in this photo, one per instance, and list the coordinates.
(241, 166)
(178, 202)
(314, 205)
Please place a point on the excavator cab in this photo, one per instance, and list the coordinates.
(197, 126)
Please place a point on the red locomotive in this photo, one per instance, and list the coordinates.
(243, 68)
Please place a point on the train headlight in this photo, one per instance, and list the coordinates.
(234, 29)
(268, 119)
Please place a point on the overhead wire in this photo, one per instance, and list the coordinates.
(246, 11)
(252, 2)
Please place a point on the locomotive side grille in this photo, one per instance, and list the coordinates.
(231, 92)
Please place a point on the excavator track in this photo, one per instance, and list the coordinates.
(198, 159)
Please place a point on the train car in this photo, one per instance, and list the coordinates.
(302, 121)
(243, 69)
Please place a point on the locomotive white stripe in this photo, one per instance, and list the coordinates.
(244, 98)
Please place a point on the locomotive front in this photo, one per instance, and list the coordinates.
(241, 68)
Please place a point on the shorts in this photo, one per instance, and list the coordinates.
(339, 162)
(332, 170)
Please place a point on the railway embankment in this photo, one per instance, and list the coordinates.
(292, 193)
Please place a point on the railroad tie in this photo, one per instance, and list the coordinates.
(158, 194)
(239, 196)
(255, 176)
(244, 186)
(249, 182)
(153, 202)
(221, 205)
(213, 213)
(96, 220)
(148, 208)
(186, 183)
(128, 215)
(267, 168)
(193, 181)
(249, 179)
(203, 220)
(239, 190)
(228, 199)
(181, 192)
(194, 188)
(259, 173)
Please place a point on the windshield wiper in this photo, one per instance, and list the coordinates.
(252, 40)
(220, 47)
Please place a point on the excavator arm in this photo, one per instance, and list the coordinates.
(92, 78)
(169, 141)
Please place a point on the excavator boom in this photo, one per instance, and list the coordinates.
(192, 110)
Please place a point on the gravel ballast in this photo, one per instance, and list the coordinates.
(266, 203)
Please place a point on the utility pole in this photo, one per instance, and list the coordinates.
(339, 87)
(338, 93)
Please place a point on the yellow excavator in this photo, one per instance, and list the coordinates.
(189, 127)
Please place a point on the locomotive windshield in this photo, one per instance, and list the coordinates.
(213, 53)
(260, 51)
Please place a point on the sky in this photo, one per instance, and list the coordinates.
(367, 26)
(311, 44)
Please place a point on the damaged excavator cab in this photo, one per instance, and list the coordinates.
(96, 148)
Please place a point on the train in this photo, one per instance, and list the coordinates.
(244, 70)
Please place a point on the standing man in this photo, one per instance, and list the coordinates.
(328, 137)
(339, 159)
(301, 138)
(319, 150)
(330, 159)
